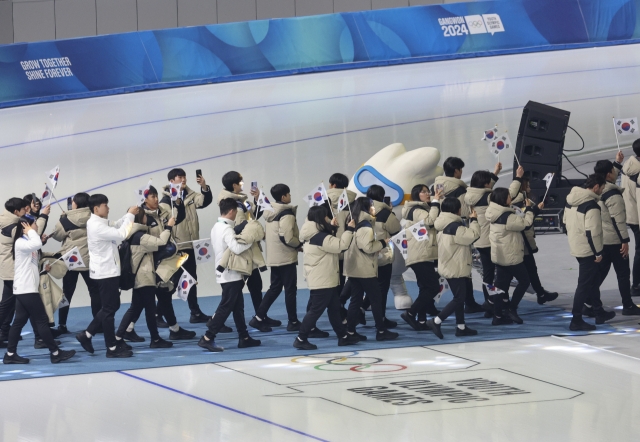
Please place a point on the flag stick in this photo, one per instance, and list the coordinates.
(349, 206)
(616, 132)
(57, 202)
(547, 191)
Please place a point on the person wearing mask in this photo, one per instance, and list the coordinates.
(232, 302)
(361, 267)
(103, 238)
(29, 305)
(631, 171)
(454, 263)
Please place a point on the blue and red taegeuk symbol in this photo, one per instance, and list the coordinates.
(73, 258)
(500, 145)
(174, 191)
(404, 243)
(45, 194)
(185, 284)
(489, 134)
(55, 178)
(422, 232)
(146, 193)
(203, 251)
(625, 126)
(317, 196)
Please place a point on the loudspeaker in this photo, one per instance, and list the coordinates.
(537, 172)
(539, 151)
(544, 122)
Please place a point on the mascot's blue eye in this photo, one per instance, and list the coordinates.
(368, 175)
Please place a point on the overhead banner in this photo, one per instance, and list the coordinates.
(112, 64)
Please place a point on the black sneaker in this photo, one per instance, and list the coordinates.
(411, 320)
(362, 320)
(198, 318)
(293, 326)
(304, 345)
(132, 336)
(181, 334)
(635, 290)
(39, 344)
(546, 296)
(316, 333)
(423, 325)
(55, 332)
(85, 341)
(513, 315)
(272, 322)
(119, 352)
(470, 308)
(386, 335)
(348, 340)
(501, 320)
(466, 332)
(209, 345)
(62, 355)
(581, 325)
(161, 323)
(15, 359)
(160, 343)
(120, 343)
(63, 329)
(632, 310)
(435, 328)
(603, 316)
(248, 341)
(261, 326)
(588, 311)
(388, 323)
(358, 336)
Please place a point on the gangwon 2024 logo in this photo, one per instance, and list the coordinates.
(471, 24)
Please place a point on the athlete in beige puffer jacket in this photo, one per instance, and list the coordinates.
(71, 231)
(281, 236)
(413, 212)
(631, 171)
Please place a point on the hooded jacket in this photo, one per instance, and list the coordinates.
(281, 236)
(614, 217)
(187, 230)
(529, 234)
(631, 170)
(246, 208)
(478, 199)
(321, 255)
(412, 213)
(361, 259)
(223, 237)
(250, 232)
(103, 239)
(386, 226)
(454, 245)
(583, 221)
(50, 293)
(143, 245)
(71, 231)
(8, 224)
(505, 234)
(334, 198)
(453, 188)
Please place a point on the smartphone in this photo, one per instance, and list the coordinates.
(439, 187)
(70, 203)
(387, 200)
(254, 185)
(198, 173)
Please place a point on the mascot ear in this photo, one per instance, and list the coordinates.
(397, 171)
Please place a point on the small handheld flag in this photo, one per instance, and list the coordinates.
(490, 135)
(400, 241)
(344, 201)
(185, 284)
(500, 144)
(549, 179)
(317, 196)
(492, 290)
(626, 126)
(143, 192)
(174, 191)
(203, 251)
(264, 202)
(444, 286)
(53, 176)
(419, 231)
(73, 259)
(46, 194)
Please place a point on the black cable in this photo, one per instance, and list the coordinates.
(567, 158)
(582, 139)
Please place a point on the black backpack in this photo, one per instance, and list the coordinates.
(127, 274)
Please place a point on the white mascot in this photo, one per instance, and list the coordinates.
(397, 171)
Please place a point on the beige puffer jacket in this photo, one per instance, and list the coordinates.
(168, 266)
(71, 231)
(143, 245)
(507, 242)
(246, 207)
(386, 226)
(334, 197)
(244, 263)
(281, 236)
(361, 259)
(50, 293)
(427, 250)
(453, 188)
(8, 224)
(478, 199)
(530, 244)
(614, 217)
(321, 255)
(584, 223)
(189, 229)
(454, 245)
(631, 169)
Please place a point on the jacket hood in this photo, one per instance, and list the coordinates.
(612, 186)
(518, 200)
(366, 217)
(446, 218)
(277, 208)
(579, 195)
(138, 228)
(165, 190)
(494, 211)
(334, 196)
(236, 196)
(7, 218)
(308, 230)
(474, 194)
(380, 206)
(631, 166)
(450, 183)
(79, 217)
(409, 204)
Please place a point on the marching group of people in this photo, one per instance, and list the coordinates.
(347, 257)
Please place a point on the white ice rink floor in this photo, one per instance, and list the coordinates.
(298, 130)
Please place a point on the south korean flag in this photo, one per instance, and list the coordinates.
(203, 251)
(419, 231)
(184, 285)
(626, 126)
(264, 202)
(400, 241)
(317, 196)
(73, 259)
(500, 144)
(492, 290)
(444, 286)
(343, 201)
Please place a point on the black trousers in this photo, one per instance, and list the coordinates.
(232, 302)
(164, 307)
(281, 277)
(143, 298)
(110, 297)
(345, 286)
(635, 273)
(384, 279)
(588, 286)
(254, 284)
(429, 287)
(532, 271)
(8, 310)
(30, 306)
(460, 288)
(360, 286)
(191, 266)
(69, 283)
(611, 255)
(488, 269)
(321, 299)
(504, 275)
